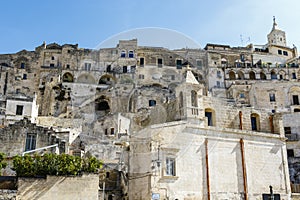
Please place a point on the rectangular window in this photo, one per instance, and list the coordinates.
(108, 68)
(218, 84)
(24, 76)
(179, 64)
(285, 53)
(124, 69)
(19, 110)
(131, 54)
(112, 131)
(142, 62)
(279, 52)
(87, 66)
(253, 124)
(51, 65)
(272, 97)
(30, 142)
(287, 130)
(199, 64)
(68, 66)
(242, 95)
(219, 74)
(209, 118)
(293, 75)
(159, 62)
(132, 68)
(290, 153)
(22, 65)
(295, 100)
(141, 76)
(170, 167)
(173, 77)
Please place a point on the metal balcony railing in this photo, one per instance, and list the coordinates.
(292, 137)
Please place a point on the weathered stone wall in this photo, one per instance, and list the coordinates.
(58, 187)
(8, 194)
(264, 157)
(13, 137)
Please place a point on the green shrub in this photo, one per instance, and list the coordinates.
(52, 164)
(3, 164)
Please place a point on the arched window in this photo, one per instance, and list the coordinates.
(263, 76)
(210, 115)
(273, 75)
(123, 54)
(67, 77)
(131, 54)
(231, 75)
(101, 104)
(255, 122)
(194, 98)
(240, 75)
(252, 75)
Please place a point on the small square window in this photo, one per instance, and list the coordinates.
(68, 66)
(242, 95)
(287, 130)
(22, 65)
(152, 103)
(51, 65)
(279, 52)
(285, 53)
(52, 58)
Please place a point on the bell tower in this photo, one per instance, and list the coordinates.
(276, 36)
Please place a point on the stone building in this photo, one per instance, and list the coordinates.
(219, 116)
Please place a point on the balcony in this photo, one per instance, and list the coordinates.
(292, 137)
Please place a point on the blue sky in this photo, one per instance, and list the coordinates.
(26, 24)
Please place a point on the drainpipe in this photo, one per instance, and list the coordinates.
(241, 120)
(207, 169)
(244, 169)
(271, 123)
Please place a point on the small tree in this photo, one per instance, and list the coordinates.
(3, 164)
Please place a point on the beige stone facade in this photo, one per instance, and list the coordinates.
(219, 113)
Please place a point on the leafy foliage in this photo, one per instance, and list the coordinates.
(3, 164)
(52, 164)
